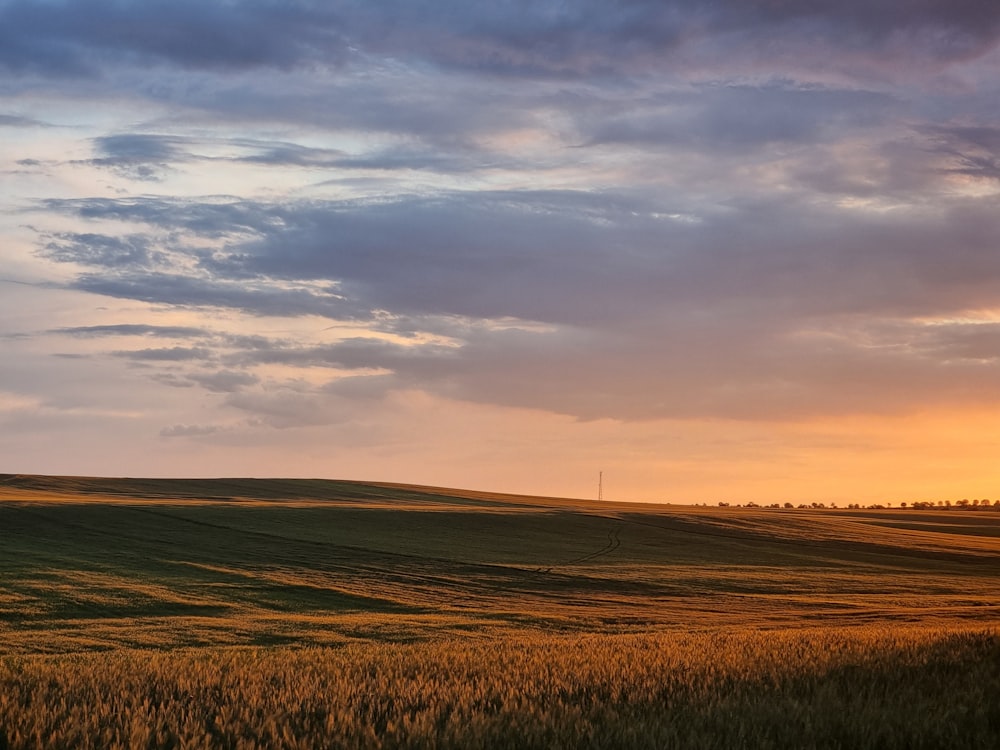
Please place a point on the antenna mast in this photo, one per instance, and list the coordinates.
(600, 486)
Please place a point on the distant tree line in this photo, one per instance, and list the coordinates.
(963, 504)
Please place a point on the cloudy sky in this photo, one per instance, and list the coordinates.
(717, 249)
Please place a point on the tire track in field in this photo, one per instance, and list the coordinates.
(614, 542)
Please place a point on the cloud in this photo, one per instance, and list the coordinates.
(589, 304)
(973, 151)
(290, 154)
(216, 218)
(290, 406)
(101, 250)
(740, 118)
(627, 210)
(16, 402)
(732, 372)
(189, 430)
(74, 39)
(256, 298)
(148, 156)
(138, 156)
(522, 38)
(971, 342)
(130, 329)
(583, 259)
(224, 381)
(17, 121)
(137, 146)
(599, 37)
(166, 354)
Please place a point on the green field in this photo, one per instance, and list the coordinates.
(97, 574)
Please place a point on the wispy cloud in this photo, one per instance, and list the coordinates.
(130, 329)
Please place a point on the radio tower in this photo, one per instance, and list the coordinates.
(600, 486)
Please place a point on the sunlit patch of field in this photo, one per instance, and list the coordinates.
(264, 613)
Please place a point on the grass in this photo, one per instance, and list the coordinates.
(286, 613)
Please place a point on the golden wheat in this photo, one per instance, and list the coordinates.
(860, 688)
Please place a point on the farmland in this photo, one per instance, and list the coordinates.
(397, 616)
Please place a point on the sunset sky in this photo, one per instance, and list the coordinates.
(724, 250)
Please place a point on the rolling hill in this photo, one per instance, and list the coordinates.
(92, 563)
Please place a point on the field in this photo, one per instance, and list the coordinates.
(293, 613)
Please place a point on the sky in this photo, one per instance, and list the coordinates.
(719, 250)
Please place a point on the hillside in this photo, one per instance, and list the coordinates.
(98, 563)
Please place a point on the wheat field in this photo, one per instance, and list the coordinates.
(243, 614)
(863, 688)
